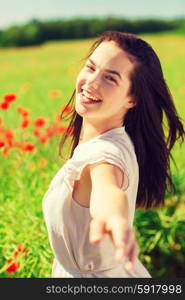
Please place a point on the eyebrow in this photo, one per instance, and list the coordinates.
(107, 70)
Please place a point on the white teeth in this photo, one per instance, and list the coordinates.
(86, 94)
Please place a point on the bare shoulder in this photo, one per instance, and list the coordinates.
(104, 173)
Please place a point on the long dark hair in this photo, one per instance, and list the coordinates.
(144, 122)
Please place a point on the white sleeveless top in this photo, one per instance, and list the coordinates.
(68, 222)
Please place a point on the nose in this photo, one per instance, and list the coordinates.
(93, 81)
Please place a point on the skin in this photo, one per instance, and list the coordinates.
(108, 203)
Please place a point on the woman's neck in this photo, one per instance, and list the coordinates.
(89, 131)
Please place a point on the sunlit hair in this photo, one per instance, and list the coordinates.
(152, 138)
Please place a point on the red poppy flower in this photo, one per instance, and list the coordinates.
(61, 129)
(19, 109)
(37, 133)
(40, 122)
(4, 105)
(43, 139)
(15, 254)
(10, 97)
(12, 266)
(5, 151)
(22, 111)
(51, 131)
(9, 135)
(19, 247)
(25, 123)
(67, 109)
(20, 250)
(2, 143)
(28, 147)
(25, 113)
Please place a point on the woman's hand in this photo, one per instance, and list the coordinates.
(122, 237)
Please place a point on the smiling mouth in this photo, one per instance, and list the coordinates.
(89, 97)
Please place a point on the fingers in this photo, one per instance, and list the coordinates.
(97, 229)
(121, 233)
(130, 265)
(118, 228)
(125, 242)
(122, 236)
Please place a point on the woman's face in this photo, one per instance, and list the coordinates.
(105, 76)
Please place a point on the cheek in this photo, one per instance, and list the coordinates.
(79, 78)
(112, 93)
(115, 98)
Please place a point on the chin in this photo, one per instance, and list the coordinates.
(79, 109)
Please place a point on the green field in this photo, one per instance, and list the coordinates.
(43, 79)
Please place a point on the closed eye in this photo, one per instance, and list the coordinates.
(89, 67)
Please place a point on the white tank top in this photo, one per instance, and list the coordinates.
(68, 222)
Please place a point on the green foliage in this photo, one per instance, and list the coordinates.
(27, 35)
(36, 32)
(161, 236)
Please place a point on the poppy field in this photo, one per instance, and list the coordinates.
(36, 84)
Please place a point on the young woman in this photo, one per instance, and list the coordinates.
(119, 160)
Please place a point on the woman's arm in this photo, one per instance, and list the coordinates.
(109, 211)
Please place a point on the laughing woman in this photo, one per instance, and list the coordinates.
(119, 160)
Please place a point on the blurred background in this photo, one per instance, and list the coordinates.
(42, 44)
(34, 22)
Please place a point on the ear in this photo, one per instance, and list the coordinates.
(131, 103)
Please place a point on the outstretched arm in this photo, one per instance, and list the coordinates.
(109, 212)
